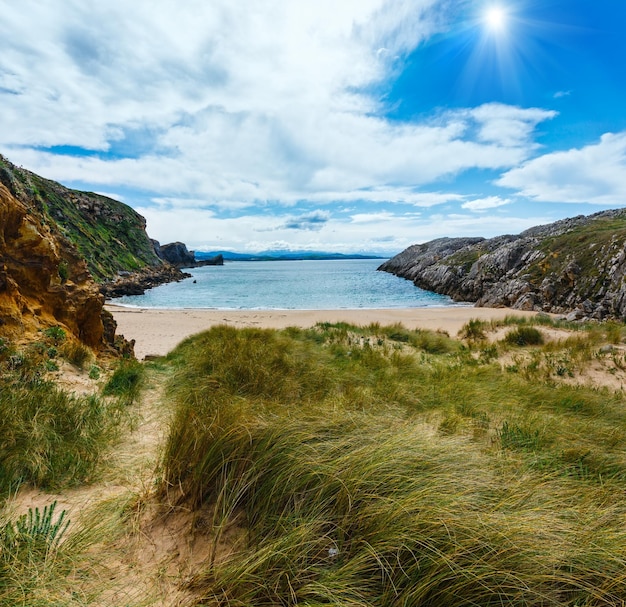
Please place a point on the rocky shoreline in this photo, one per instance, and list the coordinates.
(575, 267)
(136, 283)
(175, 257)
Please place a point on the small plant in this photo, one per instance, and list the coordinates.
(64, 271)
(37, 532)
(126, 381)
(474, 330)
(51, 366)
(524, 336)
(488, 353)
(397, 336)
(56, 334)
(614, 332)
(77, 353)
(94, 372)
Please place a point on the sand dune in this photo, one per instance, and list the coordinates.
(156, 332)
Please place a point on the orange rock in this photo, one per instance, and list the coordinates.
(43, 280)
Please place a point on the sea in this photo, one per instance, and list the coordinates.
(289, 285)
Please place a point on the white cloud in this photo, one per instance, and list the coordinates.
(242, 158)
(400, 195)
(385, 232)
(220, 112)
(375, 218)
(112, 195)
(482, 204)
(593, 174)
(506, 125)
(236, 103)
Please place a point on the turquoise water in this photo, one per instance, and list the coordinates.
(289, 285)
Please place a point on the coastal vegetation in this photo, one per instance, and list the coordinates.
(338, 465)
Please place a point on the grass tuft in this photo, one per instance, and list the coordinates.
(126, 381)
(524, 336)
(77, 353)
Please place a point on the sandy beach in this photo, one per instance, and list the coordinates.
(156, 332)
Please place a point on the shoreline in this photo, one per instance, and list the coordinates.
(157, 331)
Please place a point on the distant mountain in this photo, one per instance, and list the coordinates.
(574, 266)
(281, 255)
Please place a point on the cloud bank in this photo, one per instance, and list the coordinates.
(223, 122)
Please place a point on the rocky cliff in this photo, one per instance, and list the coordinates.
(179, 256)
(60, 249)
(43, 279)
(575, 266)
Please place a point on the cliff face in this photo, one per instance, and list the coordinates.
(575, 266)
(109, 235)
(61, 250)
(43, 279)
(81, 245)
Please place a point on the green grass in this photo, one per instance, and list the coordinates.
(524, 336)
(43, 562)
(49, 437)
(77, 353)
(338, 465)
(126, 381)
(350, 466)
(52, 440)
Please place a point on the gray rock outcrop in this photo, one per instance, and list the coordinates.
(574, 266)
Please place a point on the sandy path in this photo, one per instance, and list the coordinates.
(156, 332)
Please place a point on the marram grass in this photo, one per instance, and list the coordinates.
(363, 470)
(52, 438)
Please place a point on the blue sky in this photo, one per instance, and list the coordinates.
(348, 126)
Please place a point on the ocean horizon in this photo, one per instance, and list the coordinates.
(289, 285)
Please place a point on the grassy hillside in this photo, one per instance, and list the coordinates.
(108, 234)
(339, 465)
(385, 467)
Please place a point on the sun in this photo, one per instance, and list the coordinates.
(495, 18)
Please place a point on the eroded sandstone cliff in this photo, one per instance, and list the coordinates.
(61, 250)
(43, 279)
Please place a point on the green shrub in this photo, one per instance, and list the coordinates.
(524, 336)
(56, 334)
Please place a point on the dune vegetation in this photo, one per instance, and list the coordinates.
(339, 465)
